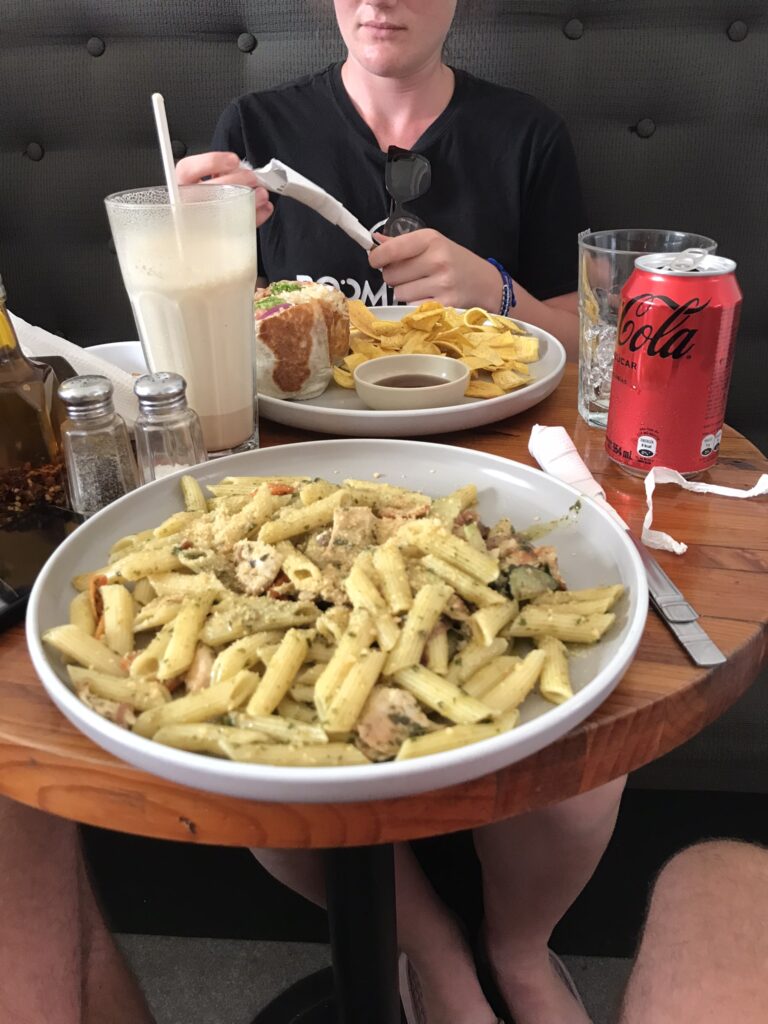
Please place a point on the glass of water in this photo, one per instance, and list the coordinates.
(606, 260)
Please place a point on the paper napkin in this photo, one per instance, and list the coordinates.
(36, 343)
(277, 177)
(556, 453)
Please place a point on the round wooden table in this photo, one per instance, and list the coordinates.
(662, 701)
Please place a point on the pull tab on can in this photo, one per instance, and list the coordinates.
(690, 261)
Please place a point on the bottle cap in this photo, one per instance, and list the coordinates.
(87, 395)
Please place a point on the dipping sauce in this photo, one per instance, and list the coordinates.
(410, 380)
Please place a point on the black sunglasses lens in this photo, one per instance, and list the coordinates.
(408, 175)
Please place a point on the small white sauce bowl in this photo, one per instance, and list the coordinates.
(454, 377)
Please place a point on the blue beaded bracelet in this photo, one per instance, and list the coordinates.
(508, 300)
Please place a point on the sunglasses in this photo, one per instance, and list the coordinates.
(407, 177)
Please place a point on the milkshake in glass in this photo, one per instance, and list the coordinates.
(190, 274)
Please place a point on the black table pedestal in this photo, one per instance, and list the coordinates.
(361, 988)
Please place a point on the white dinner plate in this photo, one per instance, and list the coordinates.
(339, 410)
(592, 550)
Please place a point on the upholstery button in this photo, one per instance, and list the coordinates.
(34, 151)
(246, 42)
(111, 246)
(573, 29)
(645, 128)
(178, 148)
(95, 46)
(737, 31)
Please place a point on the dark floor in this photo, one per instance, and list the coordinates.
(146, 884)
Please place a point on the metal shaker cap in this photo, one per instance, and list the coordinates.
(161, 387)
(86, 395)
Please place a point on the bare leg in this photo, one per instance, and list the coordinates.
(427, 933)
(534, 867)
(58, 959)
(704, 952)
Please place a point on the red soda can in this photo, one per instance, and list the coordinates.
(672, 364)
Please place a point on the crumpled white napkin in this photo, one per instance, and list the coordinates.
(662, 475)
(36, 342)
(556, 453)
(278, 177)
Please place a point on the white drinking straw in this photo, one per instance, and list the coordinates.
(164, 138)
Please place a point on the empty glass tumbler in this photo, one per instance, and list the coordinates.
(606, 260)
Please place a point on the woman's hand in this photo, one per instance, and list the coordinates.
(223, 169)
(426, 265)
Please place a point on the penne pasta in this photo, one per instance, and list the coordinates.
(486, 623)
(140, 694)
(612, 592)
(142, 563)
(570, 626)
(157, 613)
(472, 657)
(451, 505)
(466, 586)
(299, 569)
(555, 680)
(242, 654)
(192, 492)
(272, 727)
(441, 696)
(437, 650)
(185, 632)
(434, 539)
(294, 522)
(81, 613)
(75, 644)
(515, 687)
(147, 662)
(350, 696)
(118, 617)
(422, 618)
(204, 738)
(363, 594)
(291, 621)
(358, 637)
(280, 673)
(390, 567)
(448, 739)
(199, 707)
(313, 491)
(178, 584)
(484, 679)
(143, 592)
(310, 756)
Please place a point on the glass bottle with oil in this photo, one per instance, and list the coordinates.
(31, 464)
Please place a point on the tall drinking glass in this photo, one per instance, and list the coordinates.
(606, 261)
(190, 273)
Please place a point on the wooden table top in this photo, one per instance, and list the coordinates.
(662, 701)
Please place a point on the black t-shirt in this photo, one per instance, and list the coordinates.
(504, 181)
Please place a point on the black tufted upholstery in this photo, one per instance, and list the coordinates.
(665, 102)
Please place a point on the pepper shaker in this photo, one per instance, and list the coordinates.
(167, 432)
(100, 463)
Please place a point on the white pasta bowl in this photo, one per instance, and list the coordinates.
(592, 550)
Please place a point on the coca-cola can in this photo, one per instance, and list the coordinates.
(672, 364)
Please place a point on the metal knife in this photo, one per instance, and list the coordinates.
(677, 613)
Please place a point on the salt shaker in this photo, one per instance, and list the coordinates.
(100, 463)
(167, 432)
